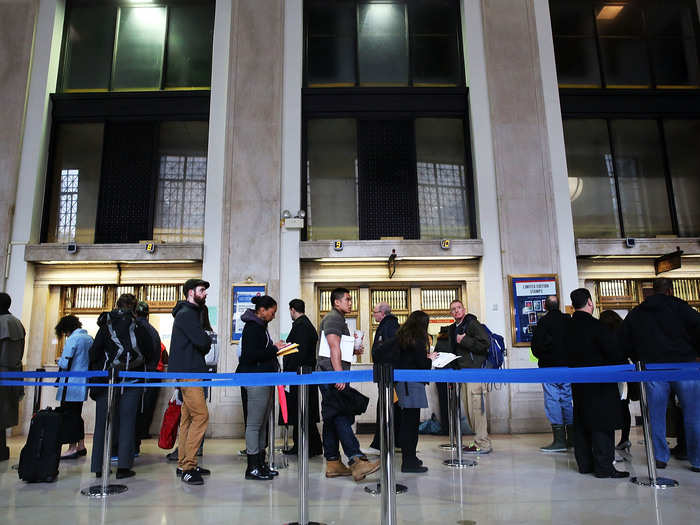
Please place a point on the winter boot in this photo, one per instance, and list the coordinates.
(335, 468)
(361, 467)
(559, 442)
(570, 435)
(266, 466)
(255, 470)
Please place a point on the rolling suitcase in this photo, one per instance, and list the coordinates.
(38, 461)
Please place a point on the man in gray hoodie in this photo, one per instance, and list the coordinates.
(188, 346)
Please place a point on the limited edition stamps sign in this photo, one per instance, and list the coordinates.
(242, 299)
(527, 297)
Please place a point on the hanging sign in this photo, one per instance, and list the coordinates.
(527, 296)
(242, 299)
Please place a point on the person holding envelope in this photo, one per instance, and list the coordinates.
(336, 347)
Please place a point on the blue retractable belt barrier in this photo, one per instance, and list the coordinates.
(597, 374)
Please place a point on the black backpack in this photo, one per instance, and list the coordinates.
(119, 355)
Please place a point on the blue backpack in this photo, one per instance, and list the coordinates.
(497, 350)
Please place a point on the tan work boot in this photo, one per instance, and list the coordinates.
(361, 467)
(335, 468)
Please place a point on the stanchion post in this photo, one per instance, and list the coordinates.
(450, 417)
(272, 431)
(105, 489)
(386, 434)
(652, 480)
(459, 462)
(303, 452)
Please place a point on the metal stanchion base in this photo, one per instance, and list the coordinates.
(400, 489)
(279, 466)
(307, 523)
(455, 463)
(95, 491)
(15, 467)
(661, 483)
(448, 446)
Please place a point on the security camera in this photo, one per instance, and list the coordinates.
(72, 247)
(629, 242)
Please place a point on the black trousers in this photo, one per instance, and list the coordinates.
(408, 433)
(444, 409)
(73, 416)
(594, 449)
(145, 415)
(123, 426)
(626, 420)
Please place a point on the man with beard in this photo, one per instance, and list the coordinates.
(188, 346)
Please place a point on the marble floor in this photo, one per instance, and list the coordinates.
(514, 484)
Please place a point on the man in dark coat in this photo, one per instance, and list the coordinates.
(548, 347)
(471, 343)
(11, 352)
(388, 326)
(597, 408)
(304, 334)
(666, 329)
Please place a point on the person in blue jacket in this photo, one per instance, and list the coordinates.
(75, 357)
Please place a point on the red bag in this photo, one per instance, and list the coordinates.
(283, 403)
(171, 422)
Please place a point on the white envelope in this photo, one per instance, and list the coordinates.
(347, 347)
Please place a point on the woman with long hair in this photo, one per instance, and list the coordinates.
(74, 358)
(612, 320)
(410, 350)
(258, 354)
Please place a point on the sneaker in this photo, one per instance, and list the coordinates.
(172, 456)
(695, 469)
(192, 477)
(371, 451)
(623, 445)
(114, 459)
(474, 449)
(613, 474)
(202, 471)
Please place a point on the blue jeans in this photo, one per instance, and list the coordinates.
(336, 431)
(688, 393)
(557, 403)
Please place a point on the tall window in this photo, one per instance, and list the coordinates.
(633, 177)
(626, 44)
(68, 206)
(388, 43)
(404, 178)
(119, 46)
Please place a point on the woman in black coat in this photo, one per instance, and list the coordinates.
(304, 334)
(258, 354)
(409, 351)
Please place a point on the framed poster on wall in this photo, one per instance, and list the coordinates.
(527, 296)
(241, 299)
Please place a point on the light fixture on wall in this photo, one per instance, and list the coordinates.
(292, 223)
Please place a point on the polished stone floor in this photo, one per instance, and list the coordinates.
(514, 484)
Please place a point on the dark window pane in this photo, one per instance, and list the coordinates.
(382, 44)
(684, 159)
(577, 61)
(675, 62)
(619, 20)
(571, 19)
(442, 194)
(182, 182)
(640, 173)
(330, 56)
(75, 183)
(591, 179)
(190, 33)
(625, 62)
(666, 19)
(140, 45)
(435, 43)
(87, 58)
(331, 179)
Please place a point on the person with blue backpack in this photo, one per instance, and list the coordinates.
(471, 341)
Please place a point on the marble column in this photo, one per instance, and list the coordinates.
(250, 245)
(17, 18)
(525, 187)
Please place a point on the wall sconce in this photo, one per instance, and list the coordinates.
(292, 223)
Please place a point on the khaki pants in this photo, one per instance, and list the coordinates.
(476, 412)
(194, 417)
